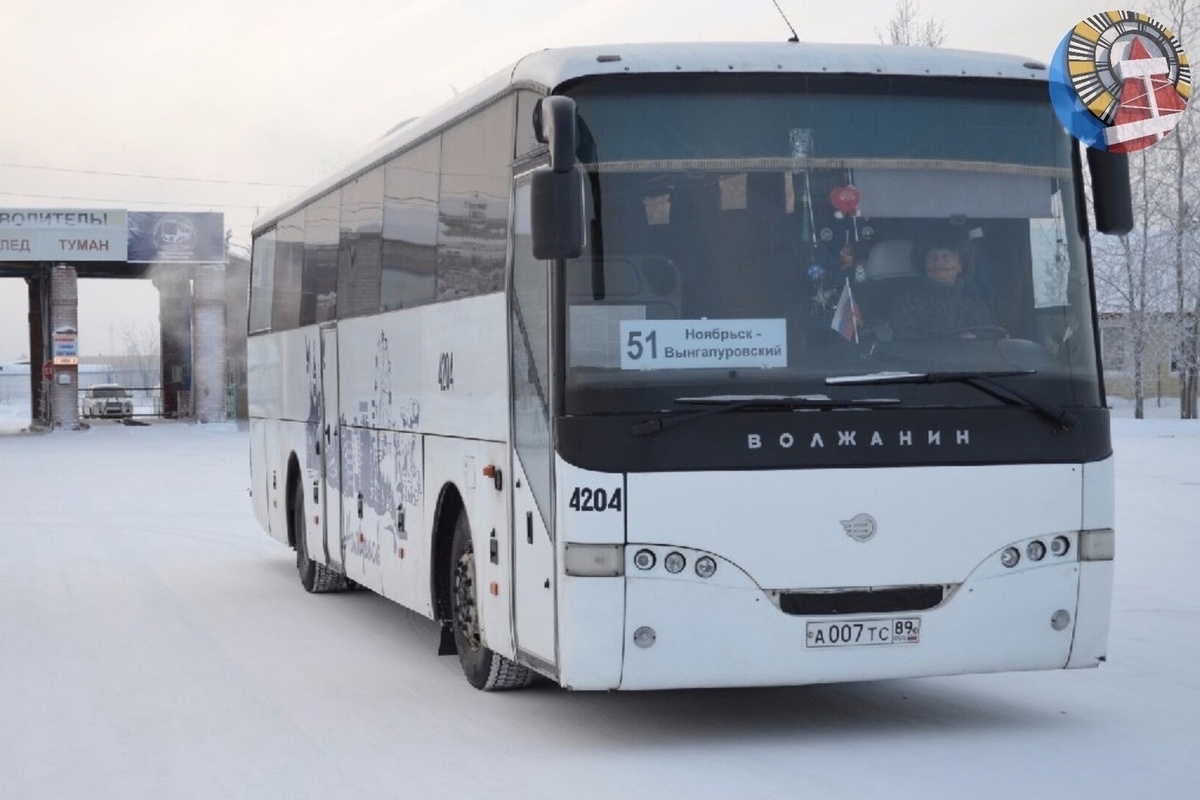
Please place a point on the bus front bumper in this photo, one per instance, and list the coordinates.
(685, 632)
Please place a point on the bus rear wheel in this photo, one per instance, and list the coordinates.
(314, 577)
(483, 668)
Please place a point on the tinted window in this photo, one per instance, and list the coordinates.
(473, 206)
(262, 276)
(410, 227)
(777, 218)
(530, 382)
(289, 263)
(318, 302)
(360, 248)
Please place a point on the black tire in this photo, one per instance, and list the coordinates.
(314, 577)
(484, 669)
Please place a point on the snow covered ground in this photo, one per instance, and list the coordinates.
(155, 643)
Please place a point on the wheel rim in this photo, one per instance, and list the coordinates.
(465, 623)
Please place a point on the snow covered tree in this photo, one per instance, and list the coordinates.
(1180, 152)
(1151, 278)
(905, 27)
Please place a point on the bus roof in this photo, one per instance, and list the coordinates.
(546, 70)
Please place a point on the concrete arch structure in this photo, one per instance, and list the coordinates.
(202, 302)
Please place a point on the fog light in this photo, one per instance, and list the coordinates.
(1036, 550)
(674, 562)
(1060, 620)
(1060, 545)
(1010, 556)
(644, 636)
(644, 559)
(705, 567)
(594, 560)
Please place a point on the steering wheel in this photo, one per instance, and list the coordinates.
(989, 332)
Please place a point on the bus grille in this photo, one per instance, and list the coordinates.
(862, 601)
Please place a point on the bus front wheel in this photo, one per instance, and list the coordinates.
(484, 668)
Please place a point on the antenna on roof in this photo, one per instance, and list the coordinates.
(794, 38)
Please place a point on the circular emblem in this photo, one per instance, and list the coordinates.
(1120, 81)
(860, 527)
(175, 232)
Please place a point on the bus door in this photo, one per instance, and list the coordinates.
(331, 452)
(532, 549)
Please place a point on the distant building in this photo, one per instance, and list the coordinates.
(1160, 358)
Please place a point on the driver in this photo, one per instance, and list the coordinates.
(942, 305)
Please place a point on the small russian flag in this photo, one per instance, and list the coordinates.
(846, 317)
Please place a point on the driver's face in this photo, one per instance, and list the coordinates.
(942, 266)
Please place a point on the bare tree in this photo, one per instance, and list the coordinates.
(1179, 218)
(1151, 277)
(141, 344)
(905, 27)
(1130, 278)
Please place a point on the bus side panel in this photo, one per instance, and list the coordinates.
(399, 527)
(534, 584)
(438, 369)
(274, 467)
(295, 401)
(1094, 610)
(263, 386)
(463, 381)
(260, 474)
(459, 463)
(268, 466)
(591, 610)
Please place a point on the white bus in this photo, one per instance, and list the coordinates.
(599, 366)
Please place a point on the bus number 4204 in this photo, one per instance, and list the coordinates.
(588, 499)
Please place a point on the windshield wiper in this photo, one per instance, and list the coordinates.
(725, 403)
(984, 381)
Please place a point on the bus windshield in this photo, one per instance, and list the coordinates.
(765, 237)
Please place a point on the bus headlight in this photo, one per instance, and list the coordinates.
(1060, 545)
(706, 566)
(674, 562)
(1035, 550)
(644, 559)
(1010, 556)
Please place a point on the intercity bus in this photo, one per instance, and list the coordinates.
(596, 365)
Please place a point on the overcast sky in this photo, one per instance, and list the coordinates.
(251, 100)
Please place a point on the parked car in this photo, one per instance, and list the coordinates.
(107, 400)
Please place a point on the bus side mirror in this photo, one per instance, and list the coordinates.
(1112, 200)
(556, 213)
(554, 124)
(556, 191)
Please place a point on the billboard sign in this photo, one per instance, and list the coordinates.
(63, 234)
(176, 237)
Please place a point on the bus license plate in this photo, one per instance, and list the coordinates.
(886, 630)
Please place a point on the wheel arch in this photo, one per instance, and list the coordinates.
(449, 506)
(293, 478)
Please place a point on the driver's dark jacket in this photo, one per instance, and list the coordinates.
(936, 310)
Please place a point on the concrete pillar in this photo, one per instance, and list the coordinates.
(175, 329)
(208, 343)
(64, 320)
(39, 397)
